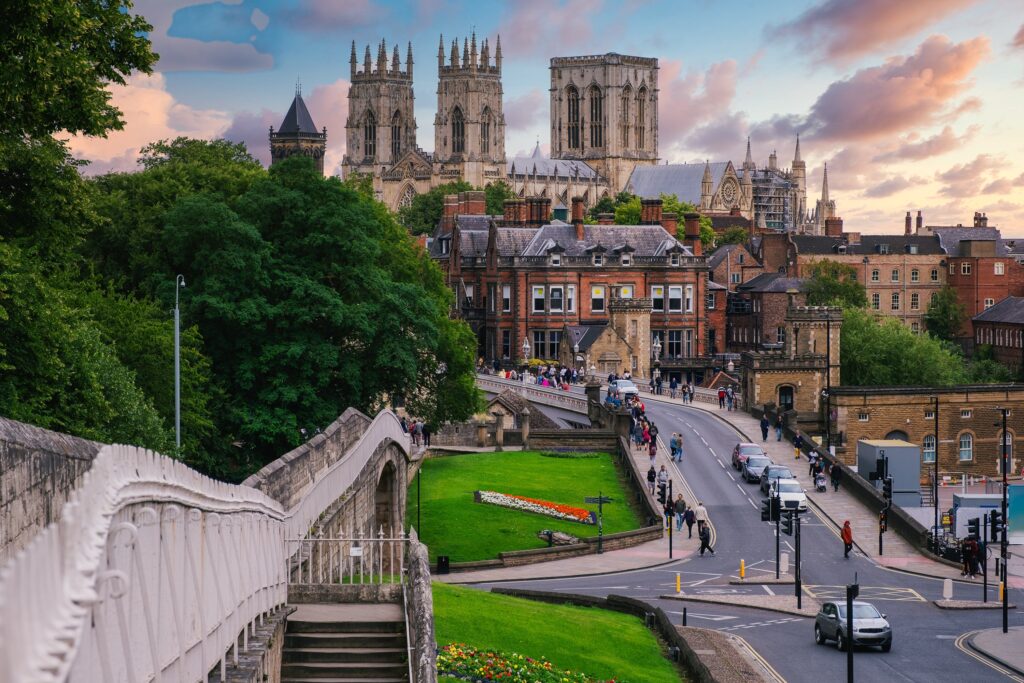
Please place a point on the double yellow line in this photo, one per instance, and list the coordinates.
(760, 660)
(961, 644)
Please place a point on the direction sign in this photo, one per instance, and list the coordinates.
(597, 499)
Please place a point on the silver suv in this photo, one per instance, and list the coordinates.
(869, 626)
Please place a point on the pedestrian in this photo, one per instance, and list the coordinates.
(973, 555)
(847, 536)
(652, 476)
(812, 460)
(835, 474)
(680, 510)
(778, 427)
(729, 397)
(673, 446)
(653, 451)
(654, 432)
(673, 385)
(701, 515)
(679, 448)
(705, 540)
(662, 477)
(417, 432)
(765, 424)
(689, 517)
(798, 444)
(405, 425)
(721, 398)
(426, 436)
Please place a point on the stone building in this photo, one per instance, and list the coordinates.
(732, 264)
(297, 135)
(1001, 328)
(716, 189)
(624, 342)
(966, 417)
(757, 312)
(558, 179)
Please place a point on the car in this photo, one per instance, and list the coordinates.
(742, 451)
(622, 389)
(754, 465)
(870, 627)
(791, 494)
(773, 472)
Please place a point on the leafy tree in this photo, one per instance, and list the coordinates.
(734, 235)
(945, 315)
(628, 213)
(832, 283)
(609, 204)
(496, 194)
(422, 215)
(361, 183)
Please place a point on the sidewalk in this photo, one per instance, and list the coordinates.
(1006, 649)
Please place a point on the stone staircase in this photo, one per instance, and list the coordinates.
(345, 643)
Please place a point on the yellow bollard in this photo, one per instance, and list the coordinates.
(679, 583)
(743, 570)
(1001, 588)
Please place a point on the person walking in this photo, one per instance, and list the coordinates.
(673, 446)
(689, 517)
(426, 435)
(730, 397)
(721, 398)
(652, 476)
(673, 385)
(778, 427)
(812, 461)
(662, 477)
(701, 515)
(705, 540)
(835, 474)
(680, 510)
(798, 443)
(652, 450)
(669, 510)
(765, 424)
(847, 536)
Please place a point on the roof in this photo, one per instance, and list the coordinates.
(516, 402)
(714, 285)
(720, 222)
(645, 240)
(886, 443)
(950, 238)
(298, 120)
(773, 283)
(897, 244)
(542, 166)
(1009, 310)
(584, 335)
(513, 241)
(718, 255)
(682, 180)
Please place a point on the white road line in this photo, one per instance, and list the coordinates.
(791, 548)
(751, 503)
(769, 591)
(741, 490)
(732, 477)
(721, 463)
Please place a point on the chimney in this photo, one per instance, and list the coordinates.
(920, 222)
(473, 203)
(509, 213)
(980, 220)
(834, 226)
(544, 207)
(650, 211)
(906, 226)
(577, 217)
(451, 210)
(670, 222)
(692, 223)
(606, 219)
(531, 210)
(521, 211)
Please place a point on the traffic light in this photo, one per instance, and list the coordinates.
(883, 521)
(766, 509)
(996, 525)
(662, 493)
(787, 522)
(974, 527)
(776, 506)
(887, 488)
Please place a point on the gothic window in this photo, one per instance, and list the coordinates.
(396, 136)
(370, 135)
(641, 116)
(573, 97)
(407, 196)
(596, 117)
(485, 131)
(627, 95)
(458, 132)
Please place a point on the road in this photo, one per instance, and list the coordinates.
(925, 647)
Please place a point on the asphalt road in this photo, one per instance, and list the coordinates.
(924, 645)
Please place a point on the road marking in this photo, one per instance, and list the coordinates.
(739, 487)
(960, 645)
(732, 477)
(722, 464)
(772, 673)
(769, 591)
(752, 503)
(792, 549)
(889, 593)
(709, 617)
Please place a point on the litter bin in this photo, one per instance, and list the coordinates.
(443, 565)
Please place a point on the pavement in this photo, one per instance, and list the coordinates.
(1006, 649)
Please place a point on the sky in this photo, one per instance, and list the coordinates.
(913, 104)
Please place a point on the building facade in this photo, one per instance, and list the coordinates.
(1000, 329)
(732, 264)
(298, 136)
(756, 313)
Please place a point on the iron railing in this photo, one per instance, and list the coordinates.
(354, 560)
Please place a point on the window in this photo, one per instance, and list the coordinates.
(735, 278)
(862, 416)
(965, 413)
(895, 301)
(874, 275)
(626, 259)
(596, 117)
(396, 136)
(928, 449)
(556, 297)
(688, 336)
(658, 298)
(571, 298)
(915, 275)
(674, 259)
(554, 343)
(538, 344)
(506, 343)
(675, 299)
(538, 299)
(709, 302)
(965, 268)
(915, 328)
(689, 299)
(469, 295)
(876, 301)
(780, 335)
(998, 267)
(895, 275)
(598, 259)
(641, 116)
(458, 132)
(739, 259)
(370, 135)
(966, 447)
(491, 298)
(952, 269)
(633, 328)
(555, 259)
(675, 343)
(625, 291)
(915, 301)
(572, 96)
(934, 296)
(506, 298)
(485, 131)
(445, 244)
(627, 95)
(929, 414)
(989, 303)
(935, 274)
(597, 299)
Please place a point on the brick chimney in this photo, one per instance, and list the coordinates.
(509, 214)
(650, 211)
(906, 226)
(606, 219)
(670, 222)
(531, 210)
(472, 203)
(577, 217)
(920, 222)
(692, 240)
(544, 209)
(980, 220)
(834, 226)
(450, 211)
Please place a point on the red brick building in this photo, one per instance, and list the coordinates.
(1001, 327)
(523, 277)
(756, 316)
(732, 264)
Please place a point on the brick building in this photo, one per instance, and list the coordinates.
(1001, 327)
(716, 302)
(968, 423)
(732, 264)
(756, 313)
(524, 277)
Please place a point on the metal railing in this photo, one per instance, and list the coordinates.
(556, 398)
(355, 560)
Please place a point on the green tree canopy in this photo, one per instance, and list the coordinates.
(628, 213)
(831, 283)
(423, 213)
(734, 235)
(496, 194)
(945, 315)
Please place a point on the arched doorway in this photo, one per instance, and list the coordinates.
(785, 398)
(897, 435)
(385, 502)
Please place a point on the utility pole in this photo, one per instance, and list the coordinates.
(852, 591)
(799, 585)
(1005, 465)
(671, 501)
(179, 282)
(828, 380)
(935, 480)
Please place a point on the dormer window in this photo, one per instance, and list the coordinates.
(674, 259)
(556, 259)
(445, 245)
(598, 259)
(739, 259)
(627, 259)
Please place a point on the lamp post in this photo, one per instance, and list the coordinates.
(1004, 465)
(526, 355)
(828, 379)
(576, 358)
(656, 373)
(179, 283)
(935, 478)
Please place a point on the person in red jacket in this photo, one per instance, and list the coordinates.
(847, 536)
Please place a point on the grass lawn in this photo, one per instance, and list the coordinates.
(454, 525)
(596, 642)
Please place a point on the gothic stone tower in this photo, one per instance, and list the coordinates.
(381, 125)
(298, 135)
(469, 128)
(604, 109)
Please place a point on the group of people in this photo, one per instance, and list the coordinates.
(726, 398)
(970, 557)
(677, 510)
(544, 375)
(767, 424)
(417, 429)
(684, 391)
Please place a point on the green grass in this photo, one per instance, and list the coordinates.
(454, 525)
(596, 642)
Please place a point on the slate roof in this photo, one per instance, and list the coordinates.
(950, 238)
(682, 180)
(772, 283)
(473, 243)
(646, 240)
(543, 166)
(584, 335)
(298, 120)
(718, 255)
(720, 222)
(1009, 310)
(714, 285)
(823, 244)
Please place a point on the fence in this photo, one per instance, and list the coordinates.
(354, 560)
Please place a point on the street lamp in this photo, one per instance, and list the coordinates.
(526, 350)
(179, 283)
(1004, 465)
(656, 373)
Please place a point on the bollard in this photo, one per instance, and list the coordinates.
(947, 589)
(784, 562)
(743, 570)
(679, 583)
(684, 616)
(1002, 585)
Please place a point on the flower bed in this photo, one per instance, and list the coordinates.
(482, 666)
(541, 507)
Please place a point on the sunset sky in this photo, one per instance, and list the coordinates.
(914, 104)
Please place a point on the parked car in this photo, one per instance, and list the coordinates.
(773, 472)
(622, 389)
(742, 451)
(791, 494)
(870, 627)
(754, 466)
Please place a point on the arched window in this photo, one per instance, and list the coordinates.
(572, 96)
(596, 117)
(458, 132)
(370, 135)
(928, 448)
(407, 196)
(966, 447)
(485, 131)
(641, 118)
(396, 136)
(627, 95)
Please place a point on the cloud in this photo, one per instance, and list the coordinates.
(891, 186)
(842, 30)
(328, 105)
(253, 129)
(332, 15)
(688, 101)
(722, 138)
(913, 148)
(901, 94)
(998, 186)
(188, 54)
(526, 111)
(1018, 40)
(150, 113)
(964, 180)
(533, 26)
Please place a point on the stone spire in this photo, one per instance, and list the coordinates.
(485, 54)
(408, 60)
(352, 61)
(497, 53)
(796, 154)
(440, 52)
(705, 187)
(473, 52)
(824, 184)
(382, 58)
(395, 66)
(748, 163)
(455, 53)
(465, 52)
(367, 62)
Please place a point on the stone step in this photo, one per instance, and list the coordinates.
(345, 670)
(361, 654)
(317, 640)
(304, 627)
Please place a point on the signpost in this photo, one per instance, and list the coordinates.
(852, 591)
(600, 500)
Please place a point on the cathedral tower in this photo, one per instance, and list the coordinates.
(469, 127)
(800, 179)
(297, 135)
(825, 208)
(381, 124)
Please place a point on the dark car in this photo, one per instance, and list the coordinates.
(869, 626)
(773, 472)
(742, 451)
(754, 466)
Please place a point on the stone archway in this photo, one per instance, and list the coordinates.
(897, 435)
(385, 501)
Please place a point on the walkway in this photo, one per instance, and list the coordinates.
(1008, 651)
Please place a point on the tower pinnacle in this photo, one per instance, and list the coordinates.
(824, 184)
(796, 154)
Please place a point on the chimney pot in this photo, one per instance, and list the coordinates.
(691, 221)
(605, 218)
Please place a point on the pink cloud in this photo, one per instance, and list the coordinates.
(1018, 40)
(253, 129)
(964, 180)
(328, 105)
(902, 93)
(533, 26)
(333, 15)
(693, 99)
(527, 111)
(998, 186)
(913, 148)
(841, 30)
(891, 186)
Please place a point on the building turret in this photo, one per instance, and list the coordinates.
(824, 185)
(298, 135)
(748, 163)
(705, 187)
(472, 52)
(367, 62)
(465, 52)
(395, 66)
(408, 61)
(497, 54)
(352, 61)
(440, 52)
(382, 58)
(773, 161)
(455, 54)
(485, 55)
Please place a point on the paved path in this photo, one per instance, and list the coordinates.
(1006, 649)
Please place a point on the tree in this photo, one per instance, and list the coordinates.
(945, 315)
(734, 235)
(834, 284)
(496, 194)
(361, 183)
(423, 213)
(628, 213)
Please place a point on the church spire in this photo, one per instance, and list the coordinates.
(824, 184)
(706, 183)
(367, 62)
(796, 154)
(440, 51)
(465, 52)
(497, 54)
(352, 61)
(395, 66)
(455, 53)
(408, 61)
(748, 163)
(473, 52)
(382, 57)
